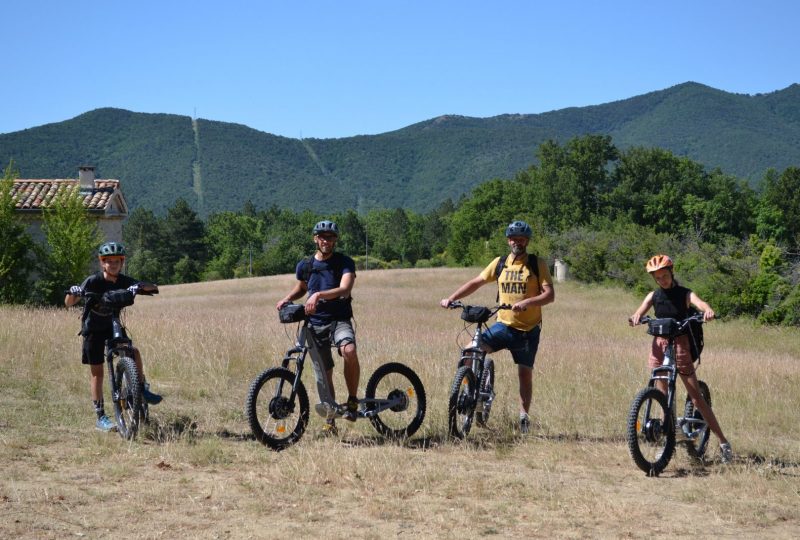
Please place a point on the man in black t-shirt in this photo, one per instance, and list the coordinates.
(328, 278)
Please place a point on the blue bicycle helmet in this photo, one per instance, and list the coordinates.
(110, 249)
(519, 228)
(326, 226)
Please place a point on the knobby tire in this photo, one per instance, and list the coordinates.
(276, 420)
(651, 431)
(487, 386)
(461, 406)
(396, 380)
(697, 443)
(128, 405)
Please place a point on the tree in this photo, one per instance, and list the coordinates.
(486, 213)
(436, 229)
(726, 208)
(71, 243)
(184, 237)
(142, 231)
(352, 236)
(571, 183)
(144, 265)
(651, 187)
(15, 245)
(778, 214)
(233, 239)
(143, 235)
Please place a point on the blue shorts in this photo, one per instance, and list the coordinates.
(521, 345)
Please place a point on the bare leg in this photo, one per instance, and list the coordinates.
(137, 357)
(352, 369)
(690, 382)
(525, 375)
(96, 384)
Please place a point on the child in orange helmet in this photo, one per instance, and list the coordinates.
(671, 300)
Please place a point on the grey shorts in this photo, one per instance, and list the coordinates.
(335, 334)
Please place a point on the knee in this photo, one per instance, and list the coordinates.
(349, 352)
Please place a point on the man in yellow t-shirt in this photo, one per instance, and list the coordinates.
(517, 329)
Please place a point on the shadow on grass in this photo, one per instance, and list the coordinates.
(168, 429)
(163, 430)
(772, 464)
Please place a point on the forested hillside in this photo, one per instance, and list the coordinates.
(217, 166)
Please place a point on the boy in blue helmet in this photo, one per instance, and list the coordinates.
(96, 327)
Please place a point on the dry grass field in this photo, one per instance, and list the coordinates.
(195, 472)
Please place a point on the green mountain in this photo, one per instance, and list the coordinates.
(218, 166)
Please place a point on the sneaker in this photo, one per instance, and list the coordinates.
(150, 397)
(727, 452)
(104, 423)
(351, 409)
(524, 423)
(329, 428)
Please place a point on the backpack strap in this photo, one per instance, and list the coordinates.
(308, 268)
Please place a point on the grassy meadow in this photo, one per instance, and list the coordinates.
(195, 471)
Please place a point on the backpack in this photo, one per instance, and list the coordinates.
(696, 341)
(533, 266)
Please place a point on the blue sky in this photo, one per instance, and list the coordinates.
(339, 68)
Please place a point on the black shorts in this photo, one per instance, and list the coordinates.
(94, 349)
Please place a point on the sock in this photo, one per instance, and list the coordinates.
(99, 408)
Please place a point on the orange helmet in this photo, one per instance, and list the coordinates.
(658, 262)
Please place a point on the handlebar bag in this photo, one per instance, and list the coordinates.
(476, 314)
(292, 313)
(118, 298)
(662, 327)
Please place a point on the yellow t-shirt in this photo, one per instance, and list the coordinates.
(516, 283)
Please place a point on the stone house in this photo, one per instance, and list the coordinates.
(102, 199)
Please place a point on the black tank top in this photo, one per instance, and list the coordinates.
(671, 302)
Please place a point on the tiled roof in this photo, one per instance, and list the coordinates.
(38, 194)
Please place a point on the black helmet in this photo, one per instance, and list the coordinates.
(519, 228)
(111, 248)
(326, 226)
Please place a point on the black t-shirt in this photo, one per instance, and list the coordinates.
(326, 275)
(96, 317)
(671, 303)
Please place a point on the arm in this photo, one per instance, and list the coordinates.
(71, 299)
(342, 291)
(75, 292)
(647, 303)
(465, 290)
(702, 305)
(547, 296)
(299, 289)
